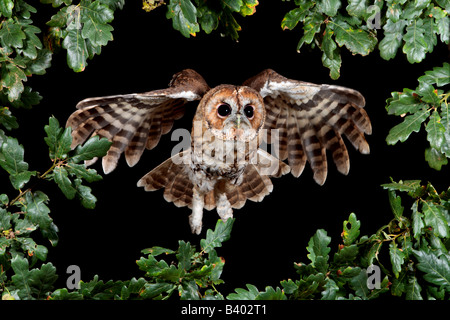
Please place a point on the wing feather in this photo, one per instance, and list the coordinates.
(135, 121)
(312, 119)
(296, 155)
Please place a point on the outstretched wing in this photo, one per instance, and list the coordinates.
(134, 122)
(311, 119)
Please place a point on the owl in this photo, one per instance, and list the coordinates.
(225, 164)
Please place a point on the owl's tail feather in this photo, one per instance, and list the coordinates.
(256, 181)
(172, 175)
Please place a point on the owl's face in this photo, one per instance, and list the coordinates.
(233, 112)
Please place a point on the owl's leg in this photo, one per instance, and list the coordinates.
(195, 219)
(223, 207)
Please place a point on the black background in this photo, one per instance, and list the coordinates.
(267, 237)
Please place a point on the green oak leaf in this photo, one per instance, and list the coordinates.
(12, 79)
(12, 161)
(359, 284)
(445, 121)
(234, 5)
(7, 119)
(6, 7)
(59, 140)
(35, 206)
(241, 294)
(92, 148)
(184, 255)
(248, 7)
(156, 251)
(350, 234)
(96, 12)
(21, 277)
(311, 26)
(318, 246)
(439, 76)
(208, 18)
(436, 268)
(329, 7)
(443, 29)
(413, 288)
(404, 102)
(28, 98)
(61, 177)
(415, 46)
(410, 124)
(292, 18)
(358, 41)
(430, 33)
(428, 94)
(41, 280)
(296, 15)
(184, 17)
(11, 34)
(80, 170)
(397, 257)
(357, 8)
(271, 294)
(98, 33)
(435, 131)
(152, 290)
(88, 200)
(435, 158)
(393, 35)
(334, 64)
(417, 220)
(413, 9)
(215, 238)
(31, 43)
(435, 218)
(75, 45)
(40, 63)
(328, 44)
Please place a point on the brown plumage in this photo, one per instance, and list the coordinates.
(224, 165)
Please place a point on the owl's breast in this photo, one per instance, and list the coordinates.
(214, 159)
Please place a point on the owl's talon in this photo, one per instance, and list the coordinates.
(227, 216)
(196, 225)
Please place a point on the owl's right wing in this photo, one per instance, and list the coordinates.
(133, 122)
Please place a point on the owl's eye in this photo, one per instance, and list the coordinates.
(248, 111)
(223, 110)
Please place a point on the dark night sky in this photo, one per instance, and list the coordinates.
(267, 237)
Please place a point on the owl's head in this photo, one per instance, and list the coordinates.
(233, 112)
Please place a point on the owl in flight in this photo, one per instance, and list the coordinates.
(226, 163)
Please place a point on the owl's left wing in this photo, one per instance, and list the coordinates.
(311, 119)
(135, 121)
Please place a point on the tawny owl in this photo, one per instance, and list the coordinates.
(225, 164)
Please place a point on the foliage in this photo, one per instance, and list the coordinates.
(425, 103)
(28, 211)
(417, 245)
(189, 16)
(413, 26)
(22, 54)
(83, 28)
(193, 275)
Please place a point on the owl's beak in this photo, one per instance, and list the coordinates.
(238, 121)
